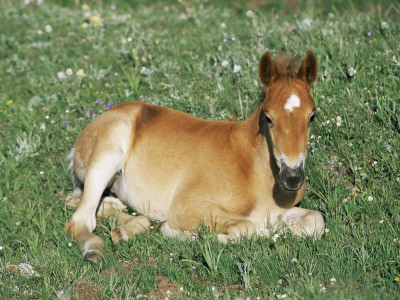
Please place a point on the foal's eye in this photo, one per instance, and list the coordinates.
(312, 117)
(269, 121)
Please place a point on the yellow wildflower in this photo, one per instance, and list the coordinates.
(9, 102)
(84, 25)
(397, 279)
(96, 20)
(85, 7)
(80, 73)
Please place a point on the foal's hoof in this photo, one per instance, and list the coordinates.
(93, 256)
(118, 235)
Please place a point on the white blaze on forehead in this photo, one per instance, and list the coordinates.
(292, 102)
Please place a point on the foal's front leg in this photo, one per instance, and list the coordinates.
(303, 222)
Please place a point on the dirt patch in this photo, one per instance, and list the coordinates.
(165, 288)
(236, 288)
(86, 291)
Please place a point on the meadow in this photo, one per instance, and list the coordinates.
(64, 62)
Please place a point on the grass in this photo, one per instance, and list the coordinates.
(171, 54)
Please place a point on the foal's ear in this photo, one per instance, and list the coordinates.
(309, 68)
(266, 69)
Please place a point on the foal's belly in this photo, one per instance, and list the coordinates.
(144, 191)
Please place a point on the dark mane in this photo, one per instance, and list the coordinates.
(287, 66)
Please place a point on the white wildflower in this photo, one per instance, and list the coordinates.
(275, 237)
(294, 260)
(224, 63)
(69, 72)
(384, 25)
(333, 279)
(326, 230)
(1, 248)
(370, 198)
(250, 14)
(236, 68)
(39, 32)
(327, 73)
(352, 71)
(381, 221)
(223, 25)
(338, 121)
(48, 28)
(306, 22)
(61, 75)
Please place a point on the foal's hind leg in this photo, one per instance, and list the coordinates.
(129, 225)
(99, 174)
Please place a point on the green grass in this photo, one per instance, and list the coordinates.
(170, 54)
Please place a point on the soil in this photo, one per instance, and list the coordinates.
(86, 291)
(165, 288)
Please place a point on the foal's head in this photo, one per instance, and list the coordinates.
(288, 110)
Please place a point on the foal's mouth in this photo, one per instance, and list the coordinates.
(292, 179)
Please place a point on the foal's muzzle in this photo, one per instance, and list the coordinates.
(292, 178)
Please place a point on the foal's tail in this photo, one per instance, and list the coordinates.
(75, 180)
(70, 159)
(73, 200)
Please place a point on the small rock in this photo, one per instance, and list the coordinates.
(23, 269)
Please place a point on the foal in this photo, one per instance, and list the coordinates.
(243, 177)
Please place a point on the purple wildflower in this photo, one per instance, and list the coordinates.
(65, 124)
(109, 105)
(90, 112)
(98, 101)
